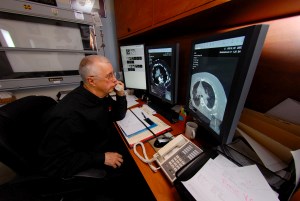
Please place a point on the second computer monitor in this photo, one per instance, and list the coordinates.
(162, 71)
(134, 71)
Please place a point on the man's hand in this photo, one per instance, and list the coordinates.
(113, 159)
(121, 86)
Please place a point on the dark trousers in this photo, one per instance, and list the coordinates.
(123, 183)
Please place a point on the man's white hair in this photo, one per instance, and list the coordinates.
(88, 68)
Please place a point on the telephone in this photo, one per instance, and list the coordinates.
(119, 87)
(170, 158)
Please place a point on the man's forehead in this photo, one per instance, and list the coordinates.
(105, 68)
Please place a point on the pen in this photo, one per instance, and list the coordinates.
(144, 115)
(147, 119)
(143, 123)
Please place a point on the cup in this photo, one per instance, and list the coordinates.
(190, 129)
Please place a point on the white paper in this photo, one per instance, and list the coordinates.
(288, 110)
(214, 183)
(131, 123)
(131, 100)
(270, 160)
(296, 156)
(79, 15)
(222, 161)
(84, 6)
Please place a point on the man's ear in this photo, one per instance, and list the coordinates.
(90, 81)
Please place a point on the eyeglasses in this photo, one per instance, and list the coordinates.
(109, 76)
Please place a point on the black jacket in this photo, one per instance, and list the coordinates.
(78, 132)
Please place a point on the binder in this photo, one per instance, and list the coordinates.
(157, 128)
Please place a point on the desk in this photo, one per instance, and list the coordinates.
(160, 186)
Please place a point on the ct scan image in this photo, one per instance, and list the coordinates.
(208, 97)
(161, 79)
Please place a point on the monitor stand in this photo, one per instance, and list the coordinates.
(164, 110)
(139, 93)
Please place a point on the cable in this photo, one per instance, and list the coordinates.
(146, 159)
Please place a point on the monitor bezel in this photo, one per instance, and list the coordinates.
(243, 75)
(174, 72)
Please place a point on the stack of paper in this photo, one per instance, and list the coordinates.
(131, 100)
(278, 137)
(215, 181)
(288, 110)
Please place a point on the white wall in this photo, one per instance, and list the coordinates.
(110, 51)
(110, 38)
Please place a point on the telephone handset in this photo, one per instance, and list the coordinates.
(170, 147)
(119, 87)
(170, 158)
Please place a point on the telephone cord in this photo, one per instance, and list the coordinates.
(146, 159)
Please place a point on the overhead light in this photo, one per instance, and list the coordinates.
(7, 42)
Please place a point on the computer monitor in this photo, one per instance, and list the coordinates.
(162, 72)
(134, 71)
(220, 74)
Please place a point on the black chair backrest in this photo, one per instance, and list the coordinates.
(21, 131)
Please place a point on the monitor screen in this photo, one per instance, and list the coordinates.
(220, 74)
(162, 71)
(134, 71)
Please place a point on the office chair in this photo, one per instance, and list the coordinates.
(20, 134)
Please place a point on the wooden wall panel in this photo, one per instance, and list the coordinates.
(277, 75)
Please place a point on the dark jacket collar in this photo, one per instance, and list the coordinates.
(89, 95)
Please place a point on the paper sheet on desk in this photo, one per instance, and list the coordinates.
(288, 110)
(131, 100)
(296, 157)
(131, 124)
(214, 182)
(270, 160)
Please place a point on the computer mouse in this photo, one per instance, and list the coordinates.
(160, 142)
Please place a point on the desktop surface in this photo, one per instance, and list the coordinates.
(165, 111)
(159, 184)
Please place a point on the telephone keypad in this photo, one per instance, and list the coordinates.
(180, 158)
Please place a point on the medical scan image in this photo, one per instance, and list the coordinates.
(208, 98)
(161, 79)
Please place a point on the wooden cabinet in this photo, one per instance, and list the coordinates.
(173, 21)
(136, 16)
(132, 16)
(167, 9)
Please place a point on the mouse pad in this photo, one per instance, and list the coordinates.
(168, 134)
